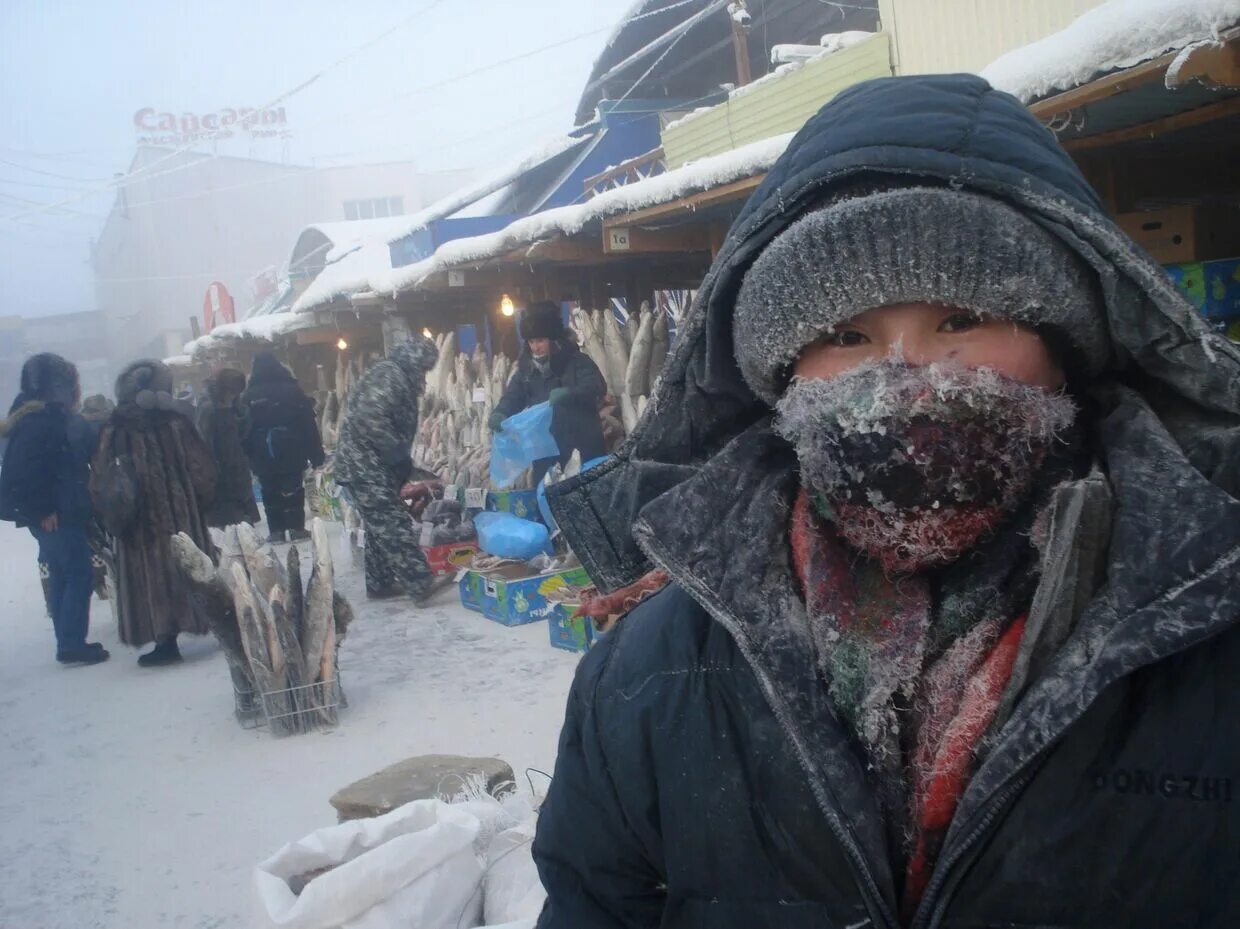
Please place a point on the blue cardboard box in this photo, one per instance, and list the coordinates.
(523, 503)
(569, 633)
(513, 599)
(473, 592)
(1213, 287)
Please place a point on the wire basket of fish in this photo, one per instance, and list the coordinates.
(281, 638)
(292, 710)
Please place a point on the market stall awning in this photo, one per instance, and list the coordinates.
(710, 177)
(1126, 71)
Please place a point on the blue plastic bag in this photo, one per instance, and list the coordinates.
(525, 439)
(508, 536)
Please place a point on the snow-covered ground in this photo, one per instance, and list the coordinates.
(131, 799)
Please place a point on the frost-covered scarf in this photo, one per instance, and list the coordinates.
(916, 668)
(917, 463)
(905, 470)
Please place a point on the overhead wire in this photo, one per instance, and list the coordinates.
(421, 11)
(142, 173)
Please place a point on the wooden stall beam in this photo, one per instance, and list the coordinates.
(737, 190)
(1215, 65)
(1109, 86)
(631, 240)
(1158, 127)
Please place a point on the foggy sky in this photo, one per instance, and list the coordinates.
(72, 74)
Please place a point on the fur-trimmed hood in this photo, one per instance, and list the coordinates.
(21, 411)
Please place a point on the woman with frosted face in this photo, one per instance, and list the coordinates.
(942, 493)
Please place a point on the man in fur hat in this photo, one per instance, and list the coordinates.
(44, 487)
(552, 368)
(946, 481)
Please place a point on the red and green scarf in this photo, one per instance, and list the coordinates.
(917, 683)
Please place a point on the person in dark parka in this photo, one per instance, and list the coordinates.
(283, 439)
(44, 486)
(552, 368)
(224, 423)
(879, 691)
(373, 460)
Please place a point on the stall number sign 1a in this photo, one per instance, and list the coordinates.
(618, 240)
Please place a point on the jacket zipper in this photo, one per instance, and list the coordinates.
(930, 912)
(869, 886)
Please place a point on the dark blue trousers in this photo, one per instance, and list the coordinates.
(72, 580)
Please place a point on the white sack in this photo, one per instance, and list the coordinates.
(414, 866)
(511, 889)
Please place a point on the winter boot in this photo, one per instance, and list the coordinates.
(298, 535)
(384, 593)
(423, 597)
(86, 654)
(275, 537)
(164, 653)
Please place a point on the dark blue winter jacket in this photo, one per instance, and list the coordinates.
(704, 778)
(46, 465)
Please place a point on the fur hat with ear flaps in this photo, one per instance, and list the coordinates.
(147, 384)
(542, 320)
(49, 378)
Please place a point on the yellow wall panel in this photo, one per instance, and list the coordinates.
(777, 106)
(944, 36)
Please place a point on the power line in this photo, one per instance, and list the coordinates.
(140, 174)
(63, 177)
(216, 133)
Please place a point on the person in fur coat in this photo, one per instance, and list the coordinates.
(152, 477)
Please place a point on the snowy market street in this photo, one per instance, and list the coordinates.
(134, 799)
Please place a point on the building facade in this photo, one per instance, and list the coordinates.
(184, 220)
(80, 337)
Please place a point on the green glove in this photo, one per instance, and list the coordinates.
(558, 395)
(496, 422)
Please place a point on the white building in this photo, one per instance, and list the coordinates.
(184, 220)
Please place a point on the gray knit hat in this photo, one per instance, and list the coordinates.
(908, 245)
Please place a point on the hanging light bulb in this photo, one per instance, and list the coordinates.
(341, 343)
(505, 305)
(428, 333)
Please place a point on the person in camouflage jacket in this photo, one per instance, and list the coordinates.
(373, 461)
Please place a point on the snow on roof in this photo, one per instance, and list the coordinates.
(568, 220)
(348, 231)
(262, 328)
(359, 253)
(1118, 34)
(463, 198)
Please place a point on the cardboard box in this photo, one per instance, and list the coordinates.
(511, 597)
(1183, 234)
(572, 635)
(473, 591)
(450, 558)
(1213, 287)
(523, 503)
